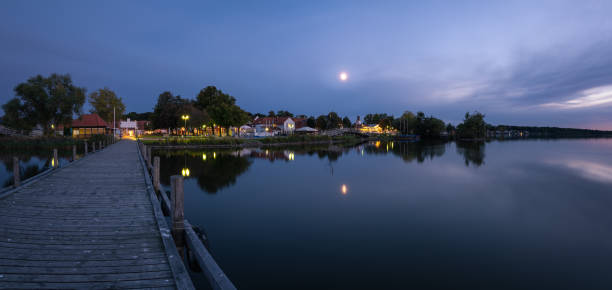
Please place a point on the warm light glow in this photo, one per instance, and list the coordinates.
(344, 189)
(185, 172)
(204, 157)
(291, 156)
(185, 117)
(52, 162)
(377, 144)
(343, 76)
(52, 126)
(214, 155)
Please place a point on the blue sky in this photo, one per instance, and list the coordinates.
(519, 62)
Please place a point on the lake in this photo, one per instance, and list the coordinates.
(523, 214)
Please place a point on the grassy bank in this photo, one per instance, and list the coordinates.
(39, 143)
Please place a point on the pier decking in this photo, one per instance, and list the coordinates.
(89, 225)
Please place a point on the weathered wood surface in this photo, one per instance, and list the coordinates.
(89, 225)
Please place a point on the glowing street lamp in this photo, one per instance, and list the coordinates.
(185, 118)
(185, 172)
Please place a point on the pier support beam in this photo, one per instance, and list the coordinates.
(149, 156)
(178, 214)
(93, 147)
(100, 143)
(73, 153)
(156, 174)
(16, 176)
(85, 142)
(55, 162)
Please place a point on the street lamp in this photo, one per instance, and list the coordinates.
(185, 118)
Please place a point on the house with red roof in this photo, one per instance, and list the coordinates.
(87, 125)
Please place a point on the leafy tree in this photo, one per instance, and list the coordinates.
(372, 119)
(221, 107)
(167, 111)
(282, 113)
(406, 123)
(14, 115)
(450, 128)
(386, 122)
(271, 114)
(346, 122)
(311, 122)
(46, 101)
(146, 116)
(321, 122)
(473, 126)
(333, 120)
(103, 101)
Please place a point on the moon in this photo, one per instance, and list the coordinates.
(343, 76)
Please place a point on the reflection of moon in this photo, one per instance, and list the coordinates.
(343, 76)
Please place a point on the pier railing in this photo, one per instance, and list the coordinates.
(188, 242)
(54, 165)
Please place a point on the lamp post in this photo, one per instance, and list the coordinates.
(185, 118)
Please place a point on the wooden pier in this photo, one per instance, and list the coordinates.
(91, 224)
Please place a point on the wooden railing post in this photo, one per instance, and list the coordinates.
(55, 159)
(156, 174)
(178, 214)
(16, 177)
(149, 156)
(85, 147)
(100, 143)
(73, 153)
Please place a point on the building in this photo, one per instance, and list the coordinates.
(133, 128)
(88, 125)
(270, 126)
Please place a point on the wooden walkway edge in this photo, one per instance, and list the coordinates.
(95, 223)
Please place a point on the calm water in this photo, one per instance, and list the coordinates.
(30, 163)
(527, 214)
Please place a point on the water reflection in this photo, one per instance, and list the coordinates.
(217, 169)
(472, 152)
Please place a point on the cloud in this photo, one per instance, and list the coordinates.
(587, 98)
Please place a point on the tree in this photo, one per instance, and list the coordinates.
(46, 101)
(311, 122)
(167, 111)
(346, 122)
(282, 113)
(146, 116)
(333, 120)
(103, 102)
(221, 107)
(271, 114)
(321, 122)
(14, 115)
(473, 126)
(372, 119)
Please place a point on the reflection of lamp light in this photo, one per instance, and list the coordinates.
(52, 162)
(185, 172)
(214, 155)
(291, 156)
(344, 189)
(204, 157)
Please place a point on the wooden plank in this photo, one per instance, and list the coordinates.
(90, 224)
(150, 283)
(179, 272)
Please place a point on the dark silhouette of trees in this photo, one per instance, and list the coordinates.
(44, 101)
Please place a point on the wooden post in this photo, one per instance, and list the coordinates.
(85, 147)
(156, 174)
(149, 156)
(93, 147)
(16, 177)
(100, 143)
(73, 153)
(178, 215)
(55, 159)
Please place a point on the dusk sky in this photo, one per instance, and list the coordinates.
(519, 62)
